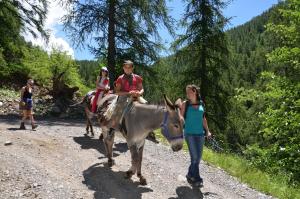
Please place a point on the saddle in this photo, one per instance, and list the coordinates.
(105, 107)
(90, 96)
(127, 108)
(115, 108)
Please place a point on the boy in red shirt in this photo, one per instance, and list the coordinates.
(129, 83)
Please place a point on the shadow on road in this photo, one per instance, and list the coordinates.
(14, 129)
(111, 184)
(87, 142)
(185, 192)
(14, 119)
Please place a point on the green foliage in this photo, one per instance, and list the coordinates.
(63, 69)
(243, 125)
(167, 79)
(15, 18)
(30, 16)
(88, 70)
(286, 57)
(13, 74)
(2, 60)
(248, 47)
(9, 31)
(37, 62)
(47, 69)
(8, 94)
(278, 150)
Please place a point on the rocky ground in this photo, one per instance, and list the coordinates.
(59, 161)
(43, 105)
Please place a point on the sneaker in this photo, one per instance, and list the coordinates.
(22, 126)
(198, 184)
(34, 126)
(190, 179)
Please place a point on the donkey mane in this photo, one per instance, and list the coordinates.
(150, 106)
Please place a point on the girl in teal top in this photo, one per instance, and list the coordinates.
(195, 123)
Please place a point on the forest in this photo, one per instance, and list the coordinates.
(249, 76)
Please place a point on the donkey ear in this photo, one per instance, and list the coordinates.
(168, 103)
(178, 102)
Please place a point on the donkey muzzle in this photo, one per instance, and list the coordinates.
(176, 147)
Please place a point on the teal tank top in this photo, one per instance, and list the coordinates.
(194, 120)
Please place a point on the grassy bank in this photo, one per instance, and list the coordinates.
(242, 169)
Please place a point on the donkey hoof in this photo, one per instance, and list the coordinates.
(143, 181)
(128, 174)
(101, 137)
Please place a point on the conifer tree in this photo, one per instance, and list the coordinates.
(203, 51)
(31, 15)
(121, 29)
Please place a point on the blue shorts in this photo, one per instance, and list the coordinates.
(28, 102)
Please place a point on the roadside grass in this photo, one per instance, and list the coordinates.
(275, 185)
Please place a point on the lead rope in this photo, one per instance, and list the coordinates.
(214, 145)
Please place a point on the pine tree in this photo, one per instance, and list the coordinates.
(204, 53)
(122, 29)
(31, 15)
(17, 17)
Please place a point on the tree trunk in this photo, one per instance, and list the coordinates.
(62, 94)
(111, 42)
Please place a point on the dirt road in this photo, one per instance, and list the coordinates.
(58, 161)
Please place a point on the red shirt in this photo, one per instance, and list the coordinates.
(125, 87)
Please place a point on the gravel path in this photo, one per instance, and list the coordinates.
(58, 161)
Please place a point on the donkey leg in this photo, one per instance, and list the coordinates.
(101, 128)
(87, 120)
(87, 127)
(101, 136)
(134, 160)
(91, 127)
(108, 143)
(143, 180)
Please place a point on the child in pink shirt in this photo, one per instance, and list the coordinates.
(102, 85)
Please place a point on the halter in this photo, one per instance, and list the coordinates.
(165, 130)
